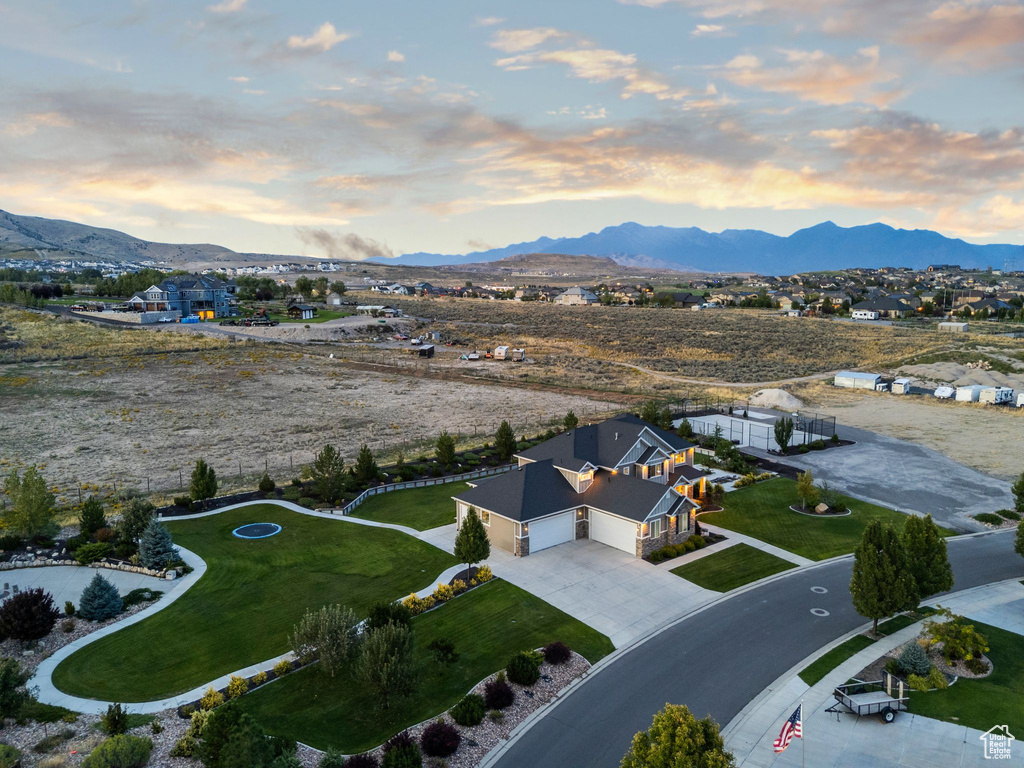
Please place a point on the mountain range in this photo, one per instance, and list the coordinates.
(821, 247)
(689, 249)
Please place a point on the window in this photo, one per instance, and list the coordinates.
(656, 528)
(485, 516)
(655, 470)
(625, 470)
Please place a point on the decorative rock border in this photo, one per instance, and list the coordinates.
(127, 567)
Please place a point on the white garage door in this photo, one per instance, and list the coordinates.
(613, 531)
(551, 531)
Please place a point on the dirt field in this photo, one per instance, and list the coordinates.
(987, 438)
(93, 422)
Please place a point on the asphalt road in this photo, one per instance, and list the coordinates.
(718, 660)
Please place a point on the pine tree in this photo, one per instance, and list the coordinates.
(570, 421)
(926, 556)
(204, 482)
(91, 518)
(882, 584)
(505, 441)
(445, 450)
(366, 469)
(685, 429)
(100, 600)
(135, 518)
(157, 548)
(471, 543)
(328, 473)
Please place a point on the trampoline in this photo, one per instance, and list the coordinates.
(257, 530)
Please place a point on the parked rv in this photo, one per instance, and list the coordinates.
(945, 392)
(969, 394)
(518, 355)
(501, 353)
(901, 387)
(996, 395)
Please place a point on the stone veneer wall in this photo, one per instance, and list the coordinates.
(670, 535)
(522, 546)
(582, 529)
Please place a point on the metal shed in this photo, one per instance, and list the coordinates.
(857, 380)
(427, 350)
(952, 327)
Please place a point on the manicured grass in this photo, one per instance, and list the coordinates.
(487, 626)
(762, 511)
(244, 607)
(732, 568)
(983, 703)
(419, 508)
(322, 316)
(815, 671)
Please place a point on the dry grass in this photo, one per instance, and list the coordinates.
(28, 336)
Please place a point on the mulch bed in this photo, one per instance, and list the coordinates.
(812, 513)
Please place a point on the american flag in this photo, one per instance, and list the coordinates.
(792, 727)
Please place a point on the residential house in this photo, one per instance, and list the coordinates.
(623, 482)
(576, 296)
(187, 294)
(886, 307)
(989, 305)
(686, 300)
(301, 312)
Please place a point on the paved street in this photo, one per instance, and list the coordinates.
(719, 659)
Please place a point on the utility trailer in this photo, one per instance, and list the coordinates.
(883, 697)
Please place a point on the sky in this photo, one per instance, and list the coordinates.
(354, 129)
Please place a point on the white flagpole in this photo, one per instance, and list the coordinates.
(803, 740)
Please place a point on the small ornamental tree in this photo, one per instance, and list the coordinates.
(12, 687)
(266, 484)
(157, 549)
(328, 473)
(204, 482)
(676, 738)
(31, 508)
(445, 450)
(685, 429)
(570, 421)
(329, 634)
(366, 469)
(505, 441)
(806, 490)
(1018, 544)
(135, 518)
(882, 584)
(1018, 494)
(385, 664)
(100, 600)
(28, 615)
(471, 543)
(91, 519)
(926, 556)
(783, 433)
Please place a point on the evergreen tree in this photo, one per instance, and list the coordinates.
(157, 548)
(471, 543)
(677, 739)
(266, 484)
(1018, 494)
(649, 412)
(1018, 544)
(783, 433)
(505, 441)
(204, 481)
(445, 450)
(91, 518)
(926, 556)
(31, 511)
(328, 473)
(882, 584)
(366, 470)
(135, 518)
(570, 421)
(12, 687)
(685, 429)
(100, 600)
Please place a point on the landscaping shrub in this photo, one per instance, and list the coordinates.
(657, 556)
(237, 686)
(459, 586)
(115, 720)
(989, 518)
(356, 761)
(496, 715)
(913, 660)
(524, 668)
(291, 494)
(418, 605)
(121, 751)
(100, 600)
(141, 595)
(69, 608)
(232, 739)
(259, 678)
(405, 473)
(557, 653)
(918, 683)
(266, 484)
(104, 534)
(699, 542)
(976, 666)
(90, 553)
(334, 759)
(689, 546)
(12, 692)
(184, 747)
(441, 739)
(498, 694)
(282, 668)
(817, 445)
(91, 519)
(834, 439)
(183, 501)
(1009, 514)
(484, 574)
(938, 680)
(9, 756)
(51, 742)
(443, 593)
(211, 699)
(9, 542)
(959, 639)
(803, 449)
(469, 712)
(387, 612)
(400, 751)
(67, 626)
(436, 470)
(443, 650)
(307, 501)
(28, 615)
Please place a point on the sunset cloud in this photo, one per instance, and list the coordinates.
(321, 41)
(514, 40)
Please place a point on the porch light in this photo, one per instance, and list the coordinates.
(579, 513)
(526, 530)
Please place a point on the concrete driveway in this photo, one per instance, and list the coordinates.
(67, 582)
(613, 592)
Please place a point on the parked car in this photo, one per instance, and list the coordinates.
(229, 322)
(165, 320)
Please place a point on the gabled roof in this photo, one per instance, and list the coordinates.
(884, 305)
(602, 445)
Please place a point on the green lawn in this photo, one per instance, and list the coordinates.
(762, 511)
(252, 594)
(419, 508)
(486, 625)
(983, 703)
(817, 669)
(732, 568)
(322, 316)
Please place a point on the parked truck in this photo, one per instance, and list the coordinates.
(996, 395)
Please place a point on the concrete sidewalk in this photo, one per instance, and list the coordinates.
(739, 538)
(856, 742)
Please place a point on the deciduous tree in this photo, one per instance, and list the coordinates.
(1018, 494)
(677, 739)
(882, 584)
(471, 543)
(385, 664)
(304, 286)
(1018, 544)
(329, 634)
(31, 511)
(135, 518)
(926, 556)
(783, 433)
(806, 490)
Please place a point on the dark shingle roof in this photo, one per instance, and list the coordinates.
(686, 472)
(884, 305)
